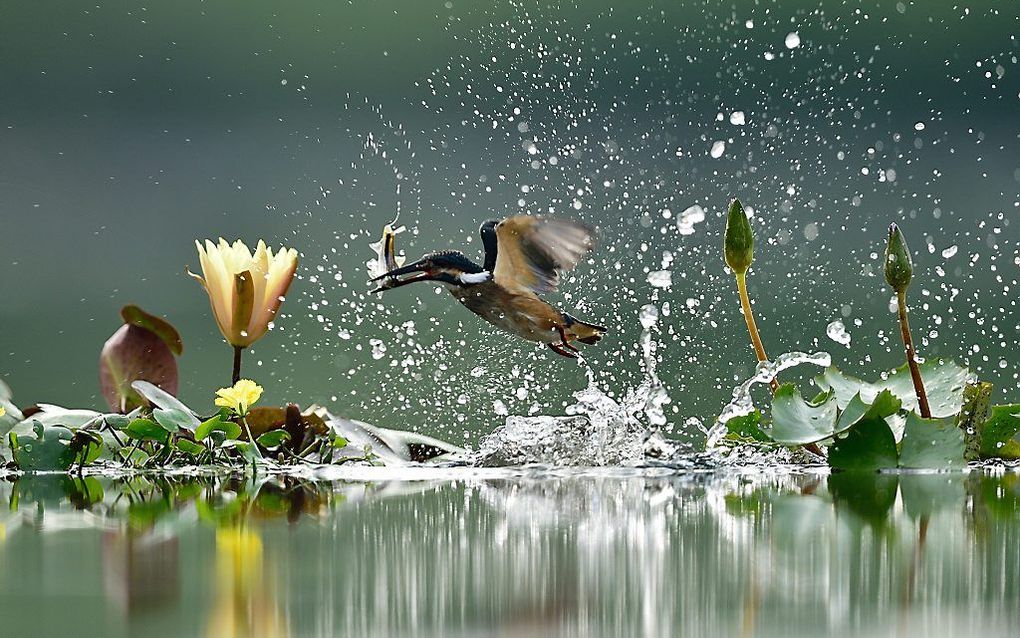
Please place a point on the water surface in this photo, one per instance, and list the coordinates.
(527, 553)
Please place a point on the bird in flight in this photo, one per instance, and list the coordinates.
(524, 256)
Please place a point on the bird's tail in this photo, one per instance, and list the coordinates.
(585, 332)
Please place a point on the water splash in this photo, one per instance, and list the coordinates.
(742, 403)
(597, 430)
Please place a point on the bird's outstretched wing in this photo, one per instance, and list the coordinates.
(532, 250)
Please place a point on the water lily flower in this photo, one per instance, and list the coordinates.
(239, 397)
(2, 411)
(245, 290)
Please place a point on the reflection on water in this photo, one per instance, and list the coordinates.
(609, 553)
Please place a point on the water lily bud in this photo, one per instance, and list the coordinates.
(739, 241)
(245, 289)
(898, 267)
(142, 349)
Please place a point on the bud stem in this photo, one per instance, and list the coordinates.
(237, 365)
(752, 327)
(908, 346)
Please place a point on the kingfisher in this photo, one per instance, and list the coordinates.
(524, 256)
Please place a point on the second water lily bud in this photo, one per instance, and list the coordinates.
(898, 267)
(738, 244)
(142, 349)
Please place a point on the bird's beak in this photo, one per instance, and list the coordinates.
(391, 279)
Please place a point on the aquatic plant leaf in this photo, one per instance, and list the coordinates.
(944, 382)
(161, 399)
(146, 430)
(5, 391)
(273, 439)
(135, 316)
(747, 428)
(189, 447)
(868, 446)
(998, 434)
(47, 449)
(977, 400)
(172, 420)
(217, 423)
(798, 422)
(50, 415)
(135, 457)
(931, 444)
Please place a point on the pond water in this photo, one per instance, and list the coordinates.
(459, 552)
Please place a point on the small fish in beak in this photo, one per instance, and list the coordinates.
(386, 259)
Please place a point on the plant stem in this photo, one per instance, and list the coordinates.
(752, 328)
(237, 365)
(908, 345)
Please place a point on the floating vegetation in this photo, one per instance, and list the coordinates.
(923, 415)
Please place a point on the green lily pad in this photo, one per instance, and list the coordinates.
(173, 420)
(146, 430)
(998, 435)
(161, 399)
(944, 382)
(868, 446)
(798, 422)
(190, 447)
(931, 444)
(47, 450)
(743, 428)
(273, 439)
(229, 429)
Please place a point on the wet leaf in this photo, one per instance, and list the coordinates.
(998, 435)
(798, 422)
(146, 430)
(229, 429)
(747, 428)
(944, 382)
(931, 444)
(976, 409)
(173, 420)
(161, 399)
(46, 449)
(190, 447)
(273, 439)
(868, 446)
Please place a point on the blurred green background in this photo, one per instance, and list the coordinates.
(128, 129)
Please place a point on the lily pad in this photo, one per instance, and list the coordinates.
(273, 439)
(230, 429)
(931, 444)
(47, 449)
(998, 435)
(747, 427)
(161, 399)
(868, 446)
(173, 420)
(146, 430)
(944, 382)
(798, 422)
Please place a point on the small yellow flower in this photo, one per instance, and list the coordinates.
(240, 397)
(245, 289)
(2, 410)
